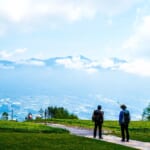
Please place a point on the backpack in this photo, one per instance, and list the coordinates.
(97, 116)
(126, 116)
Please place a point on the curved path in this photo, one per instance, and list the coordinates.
(107, 138)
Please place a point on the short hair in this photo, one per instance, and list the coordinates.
(123, 106)
(99, 107)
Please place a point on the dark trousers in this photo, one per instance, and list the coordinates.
(99, 126)
(124, 132)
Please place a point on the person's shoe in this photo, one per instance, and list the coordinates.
(127, 140)
(122, 140)
(100, 137)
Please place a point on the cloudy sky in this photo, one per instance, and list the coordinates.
(102, 44)
(97, 29)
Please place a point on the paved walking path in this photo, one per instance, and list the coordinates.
(107, 138)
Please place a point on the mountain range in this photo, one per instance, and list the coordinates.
(77, 83)
(79, 62)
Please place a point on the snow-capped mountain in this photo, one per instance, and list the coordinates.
(70, 62)
(76, 83)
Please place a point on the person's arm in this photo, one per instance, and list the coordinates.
(93, 116)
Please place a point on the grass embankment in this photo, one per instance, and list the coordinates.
(27, 136)
(27, 127)
(139, 130)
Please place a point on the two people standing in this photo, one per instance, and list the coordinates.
(124, 120)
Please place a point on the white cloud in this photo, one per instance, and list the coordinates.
(141, 34)
(20, 10)
(78, 63)
(19, 56)
(32, 63)
(5, 55)
(13, 55)
(112, 63)
(107, 63)
(114, 7)
(14, 10)
(138, 43)
(138, 67)
(20, 51)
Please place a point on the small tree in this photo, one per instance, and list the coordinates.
(60, 113)
(146, 113)
(5, 116)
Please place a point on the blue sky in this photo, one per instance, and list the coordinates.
(113, 34)
(95, 28)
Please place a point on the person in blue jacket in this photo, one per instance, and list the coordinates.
(124, 120)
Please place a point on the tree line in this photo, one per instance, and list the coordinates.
(62, 113)
(53, 112)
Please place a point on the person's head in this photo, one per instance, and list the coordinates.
(99, 107)
(123, 106)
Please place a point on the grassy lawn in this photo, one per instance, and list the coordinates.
(11, 126)
(16, 136)
(139, 130)
(42, 141)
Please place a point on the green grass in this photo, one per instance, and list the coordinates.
(70, 122)
(41, 141)
(139, 130)
(33, 136)
(11, 126)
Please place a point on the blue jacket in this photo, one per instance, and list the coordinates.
(121, 116)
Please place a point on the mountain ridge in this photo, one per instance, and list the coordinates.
(67, 62)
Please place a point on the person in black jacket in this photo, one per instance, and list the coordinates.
(98, 118)
(124, 120)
